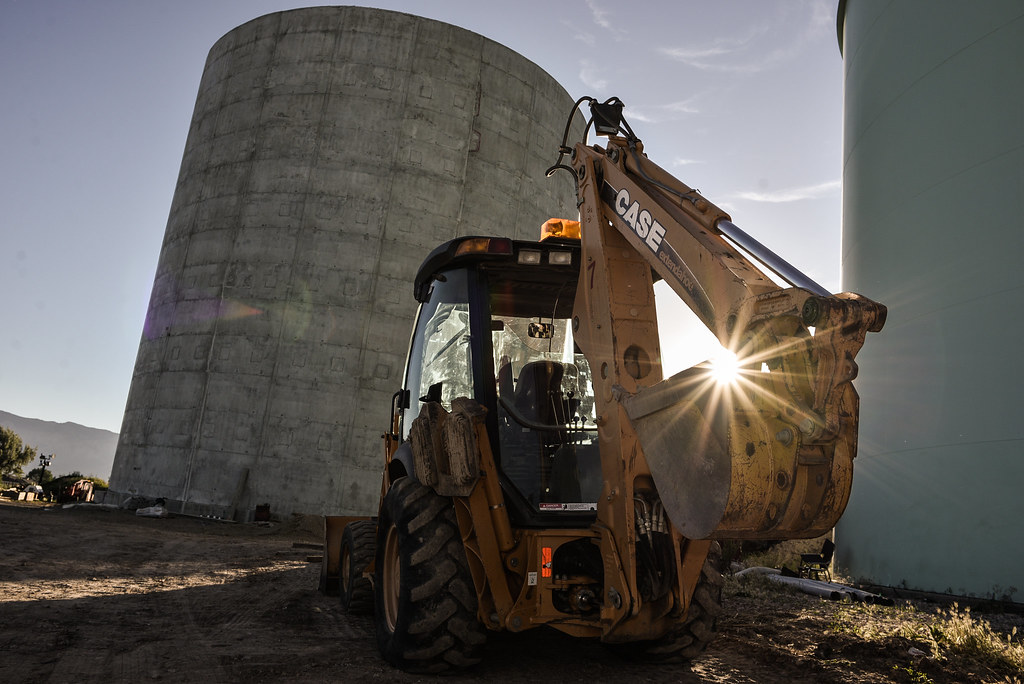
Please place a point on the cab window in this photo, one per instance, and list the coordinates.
(441, 357)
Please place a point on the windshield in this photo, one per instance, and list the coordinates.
(547, 436)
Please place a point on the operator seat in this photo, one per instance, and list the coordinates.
(539, 398)
(538, 395)
(523, 449)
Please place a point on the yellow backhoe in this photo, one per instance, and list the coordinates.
(540, 471)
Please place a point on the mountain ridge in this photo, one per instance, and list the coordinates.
(75, 447)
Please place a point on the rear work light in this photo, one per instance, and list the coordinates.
(529, 256)
(484, 246)
(560, 258)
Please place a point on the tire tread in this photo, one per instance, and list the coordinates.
(437, 628)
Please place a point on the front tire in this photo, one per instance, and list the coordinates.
(426, 604)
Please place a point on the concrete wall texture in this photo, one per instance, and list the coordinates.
(933, 182)
(330, 149)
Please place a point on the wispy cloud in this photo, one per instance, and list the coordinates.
(592, 76)
(686, 106)
(697, 54)
(733, 54)
(673, 111)
(792, 194)
(584, 37)
(603, 18)
(746, 54)
(639, 114)
(599, 15)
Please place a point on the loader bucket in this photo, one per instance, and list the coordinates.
(730, 462)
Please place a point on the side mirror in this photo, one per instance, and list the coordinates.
(400, 400)
(433, 394)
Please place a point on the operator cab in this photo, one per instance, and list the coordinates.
(495, 325)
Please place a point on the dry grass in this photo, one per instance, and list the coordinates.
(952, 634)
(911, 642)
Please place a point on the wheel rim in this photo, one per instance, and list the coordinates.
(345, 570)
(391, 577)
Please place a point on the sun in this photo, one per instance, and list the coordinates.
(725, 366)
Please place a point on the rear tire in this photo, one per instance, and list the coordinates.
(358, 547)
(691, 636)
(426, 603)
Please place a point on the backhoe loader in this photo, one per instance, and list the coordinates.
(540, 471)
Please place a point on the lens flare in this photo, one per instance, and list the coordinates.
(725, 367)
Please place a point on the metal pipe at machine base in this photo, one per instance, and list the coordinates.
(829, 590)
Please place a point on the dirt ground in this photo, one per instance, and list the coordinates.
(107, 596)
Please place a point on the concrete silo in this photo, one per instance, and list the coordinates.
(933, 186)
(329, 150)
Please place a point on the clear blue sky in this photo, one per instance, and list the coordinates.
(740, 98)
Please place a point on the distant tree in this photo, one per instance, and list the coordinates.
(13, 453)
(35, 473)
(58, 481)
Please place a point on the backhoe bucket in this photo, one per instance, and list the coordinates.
(730, 460)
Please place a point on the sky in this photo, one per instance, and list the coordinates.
(739, 98)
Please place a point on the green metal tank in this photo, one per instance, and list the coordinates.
(933, 187)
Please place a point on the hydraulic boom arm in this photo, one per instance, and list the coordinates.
(768, 456)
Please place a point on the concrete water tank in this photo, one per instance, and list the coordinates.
(933, 179)
(330, 149)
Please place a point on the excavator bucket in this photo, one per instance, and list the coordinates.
(728, 469)
(767, 454)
